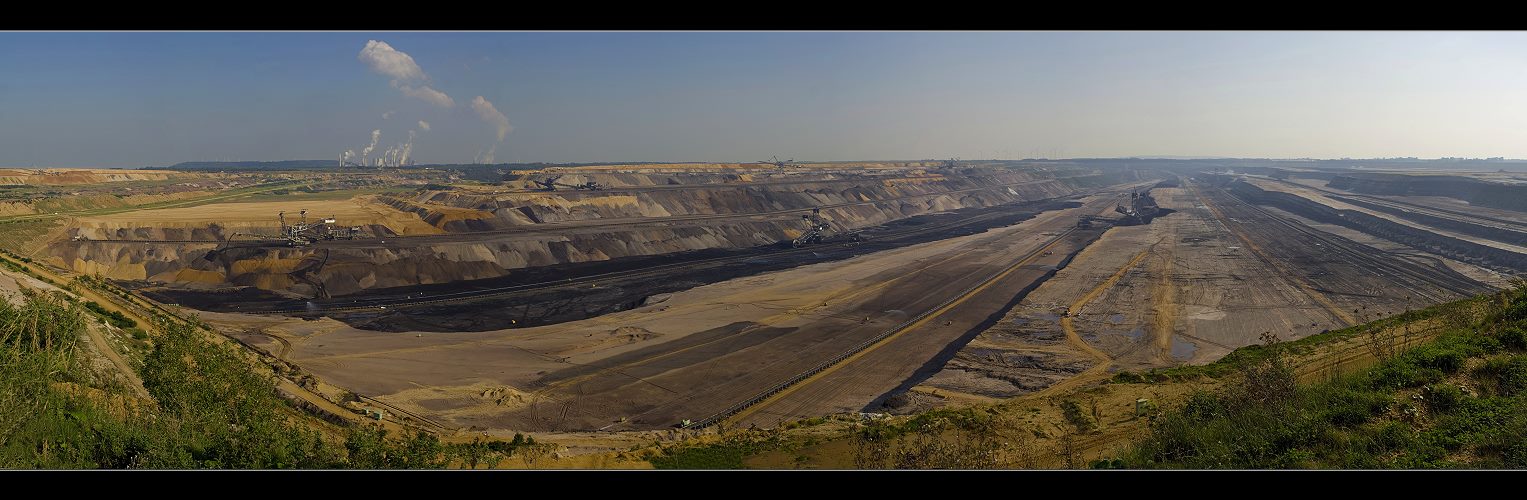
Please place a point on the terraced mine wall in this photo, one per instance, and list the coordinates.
(1488, 232)
(1455, 248)
(1478, 192)
(483, 236)
(857, 201)
(541, 300)
(1280, 173)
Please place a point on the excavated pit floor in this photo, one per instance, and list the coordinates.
(1189, 288)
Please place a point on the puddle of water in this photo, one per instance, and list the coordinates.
(1116, 319)
(1020, 321)
(1135, 334)
(1182, 350)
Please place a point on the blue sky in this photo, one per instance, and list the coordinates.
(138, 99)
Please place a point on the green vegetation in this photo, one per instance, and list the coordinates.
(59, 205)
(963, 438)
(210, 409)
(18, 235)
(15, 265)
(115, 318)
(1459, 401)
(727, 454)
(1077, 417)
(308, 193)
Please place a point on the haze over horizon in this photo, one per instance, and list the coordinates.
(155, 99)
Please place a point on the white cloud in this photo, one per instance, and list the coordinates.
(490, 114)
(424, 125)
(388, 114)
(389, 61)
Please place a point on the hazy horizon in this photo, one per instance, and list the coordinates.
(156, 99)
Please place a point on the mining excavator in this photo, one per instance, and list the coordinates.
(818, 229)
(305, 233)
(1142, 207)
(551, 185)
(780, 164)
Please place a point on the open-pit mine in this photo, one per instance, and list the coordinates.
(613, 298)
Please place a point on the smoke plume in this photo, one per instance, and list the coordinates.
(488, 156)
(490, 114)
(366, 153)
(406, 75)
(427, 94)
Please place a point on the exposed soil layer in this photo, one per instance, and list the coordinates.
(569, 292)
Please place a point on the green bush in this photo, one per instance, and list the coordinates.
(1516, 311)
(115, 318)
(1474, 419)
(210, 409)
(1402, 373)
(1348, 423)
(1440, 358)
(1077, 416)
(1203, 406)
(1393, 435)
(1443, 397)
(1128, 377)
(1514, 337)
(1507, 375)
(724, 455)
(1347, 407)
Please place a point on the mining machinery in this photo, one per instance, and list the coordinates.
(818, 229)
(551, 184)
(305, 233)
(1140, 210)
(232, 240)
(945, 167)
(780, 164)
(547, 185)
